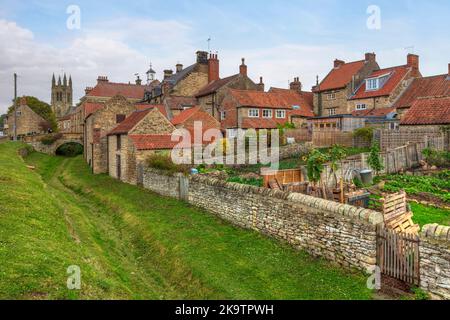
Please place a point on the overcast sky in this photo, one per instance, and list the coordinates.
(279, 39)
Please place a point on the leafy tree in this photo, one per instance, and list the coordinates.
(41, 108)
(336, 155)
(374, 160)
(365, 133)
(2, 118)
(315, 165)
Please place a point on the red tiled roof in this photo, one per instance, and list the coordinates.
(130, 122)
(341, 76)
(215, 85)
(304, 100)
(145, 106)
(111, 89)
(396, 74)
(179, 103)
(277, 99)
(424, 87)
(381, 112)
(185, 115)
(428, 111)
(90, 108)
(261, 123)
(153, 141)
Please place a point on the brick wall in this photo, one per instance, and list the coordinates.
(340, 233)
(435, 261)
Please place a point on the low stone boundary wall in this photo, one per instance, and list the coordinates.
(337, 232)
(435, 261)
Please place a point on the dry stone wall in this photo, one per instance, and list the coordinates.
(435, 261)
(340, 233)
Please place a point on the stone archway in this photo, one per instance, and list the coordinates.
(69, 148)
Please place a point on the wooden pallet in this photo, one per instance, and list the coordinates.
(397, 215)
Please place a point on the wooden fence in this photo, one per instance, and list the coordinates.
(328, 138)
(398, 255)
(300, 135)
(390, 139)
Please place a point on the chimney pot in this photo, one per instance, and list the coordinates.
(338, 63)
(202, 57)
(370, 56)
(179, 67)
(167, 74)
(243, 68)
(213, 68)
(261, 84)
(101, 79)
(296, 84)
(448, 70)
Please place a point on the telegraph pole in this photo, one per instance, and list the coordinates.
(15, 107)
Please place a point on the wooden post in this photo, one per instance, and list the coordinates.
(342, 189)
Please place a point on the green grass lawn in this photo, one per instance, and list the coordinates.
(428, 215)
(133, 244)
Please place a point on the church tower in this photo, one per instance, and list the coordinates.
(62, 95)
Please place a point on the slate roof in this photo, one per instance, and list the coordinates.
(339, 77)
(395, 74)
(428, 111)
(424, 87)
(215, 85)
(179, 102)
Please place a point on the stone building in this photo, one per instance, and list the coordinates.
(28, 121)
(130, 143)
(246, 109)
(434, 86)
(98, 123)
(383, 87)
(185, 82)
(302, 102)
(427, 113)
(62, 96)
(331, 95)
(211, 96)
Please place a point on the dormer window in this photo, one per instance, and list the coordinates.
(372, 84)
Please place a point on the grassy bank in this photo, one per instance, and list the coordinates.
(133, 244)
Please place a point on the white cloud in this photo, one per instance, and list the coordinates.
(100, 50)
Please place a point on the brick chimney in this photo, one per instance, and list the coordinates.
(138, 81)
(371, 56)
(213, 68)
(88, 90)
(102, 79)
(167, 74)
(448, 74)
(165, 87)
(338, 63)
(202, 57)
(179, 67)
(260, 84)
(413, 63)
(243, 68)
(296, 85)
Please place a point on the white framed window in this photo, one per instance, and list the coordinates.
(332, 111)
(372, 84)
(267, 113)
(331, 96)
(223, 115)
(232, 133)
(394, 126)
(281, 114)
(361, 106)
(253, 113)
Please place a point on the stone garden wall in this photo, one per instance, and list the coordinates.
(435, 261)
(340, 233)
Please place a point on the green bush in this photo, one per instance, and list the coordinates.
(374, 160)
(164, 162)
(436, 158)
(250, 181)
(365, 133)
(71, 149)
(51, 138)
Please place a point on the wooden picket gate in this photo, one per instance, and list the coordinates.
(398, 255)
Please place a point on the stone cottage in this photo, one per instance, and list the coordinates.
(28, 121)
(143, 133)
(246, 109)
(383, 87)
(211, 96)
(98, 124)
(331, 95)
(185, 82)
